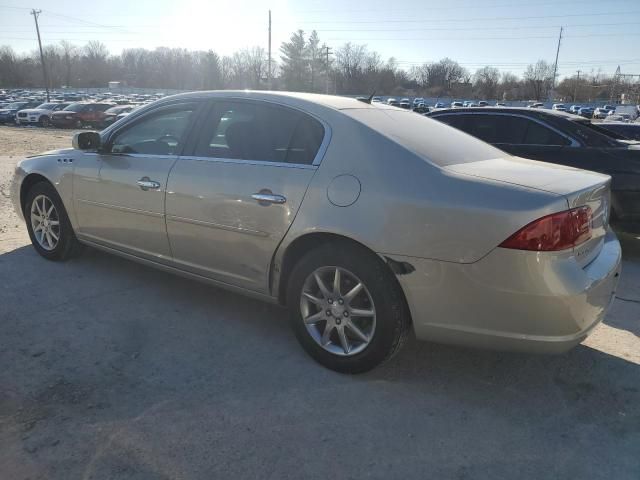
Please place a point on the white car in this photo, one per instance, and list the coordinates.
(41, 115)
(560, 107)
(601, 112)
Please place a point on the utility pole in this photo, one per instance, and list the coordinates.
(35, 14)
(555, 65)
(575, 87)
(327, 51)
(269, 63)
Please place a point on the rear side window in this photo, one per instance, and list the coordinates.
(257, 131)
(540, 135)
(502, 129)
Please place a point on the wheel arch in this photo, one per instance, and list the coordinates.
(304, 243)
(29, 181)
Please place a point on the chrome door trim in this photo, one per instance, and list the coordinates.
(248, 162)
(574, 142)
(121, 208)
(192, 221)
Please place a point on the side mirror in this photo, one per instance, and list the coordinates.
(86, 141)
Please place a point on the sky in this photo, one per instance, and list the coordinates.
(598, 35)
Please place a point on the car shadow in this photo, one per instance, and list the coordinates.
(149, 356)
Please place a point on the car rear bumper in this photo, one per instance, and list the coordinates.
(511, 299)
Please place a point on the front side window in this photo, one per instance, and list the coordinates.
(257, 131)
(156, 134)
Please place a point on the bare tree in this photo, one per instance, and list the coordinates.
(485, 82)
(538, 78)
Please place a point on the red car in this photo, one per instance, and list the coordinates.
(79, 115)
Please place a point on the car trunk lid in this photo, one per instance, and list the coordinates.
(579, 187)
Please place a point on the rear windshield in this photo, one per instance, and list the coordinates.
(434, 141)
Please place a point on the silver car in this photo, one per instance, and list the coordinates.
(367, 221)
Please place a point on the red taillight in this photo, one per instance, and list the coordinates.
(557, 231)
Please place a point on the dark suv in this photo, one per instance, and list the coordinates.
(558, 137)
(78, 115)
(8, 113)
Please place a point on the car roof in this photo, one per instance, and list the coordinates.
(331, 101)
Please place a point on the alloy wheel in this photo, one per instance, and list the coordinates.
(45, 222)
(338, 311)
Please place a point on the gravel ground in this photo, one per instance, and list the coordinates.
(113, 370)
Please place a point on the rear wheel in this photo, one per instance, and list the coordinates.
(347, 310)
(44, 121)
(49, 228)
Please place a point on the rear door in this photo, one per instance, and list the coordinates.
(233, 198)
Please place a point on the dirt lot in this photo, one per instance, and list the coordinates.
(113, 370)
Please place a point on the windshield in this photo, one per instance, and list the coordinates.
(46, 106)
(75, 107)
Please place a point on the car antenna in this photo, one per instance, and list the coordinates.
(368, 100)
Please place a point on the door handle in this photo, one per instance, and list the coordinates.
(268, 198)
(145, 183)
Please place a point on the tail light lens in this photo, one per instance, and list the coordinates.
(554, 232)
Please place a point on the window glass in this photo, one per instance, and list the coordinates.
(502, 129)
(257, 131)
(456, 121)
(160, 134)
(540, 135)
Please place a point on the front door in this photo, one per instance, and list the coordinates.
(230, 202)
(119, 193)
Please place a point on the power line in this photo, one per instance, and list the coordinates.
(476, 19)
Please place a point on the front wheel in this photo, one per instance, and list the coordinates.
(48, 225)
(346, 309)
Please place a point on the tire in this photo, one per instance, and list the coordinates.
(44, 121)
(386, 331)
(79, 124)
(66, 246)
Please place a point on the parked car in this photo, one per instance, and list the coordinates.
(501, 104)
(272, 202)
(482, 103)
(8, 114)
(601, 113)
(619, 117)
(630, 131)
(113, 114)
(536, 105)
(560, 107)
(79, 115)
(439, 105)
(405, 103)
(586, 112)
(376, 100)
(417, 101)
(611, 108)
(561, 138)
(41, 115)
(393, 102)
(457, 105)
(574, 109)
(421, 108)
